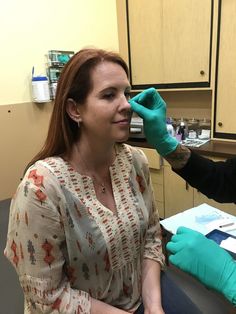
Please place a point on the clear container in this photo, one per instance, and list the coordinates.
(204, 128)
(40, 89)
(205, 124)
(193, 128)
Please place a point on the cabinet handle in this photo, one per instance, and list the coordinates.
(220, 124)
(202, 72)
(186, 185)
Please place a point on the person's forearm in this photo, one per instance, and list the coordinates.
(151, 290)
(179, 157)
(99, 307)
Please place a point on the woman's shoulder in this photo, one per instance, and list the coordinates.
(135, 155)
(136, 152)
(50, 168)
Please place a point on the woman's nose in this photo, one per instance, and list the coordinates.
(124, 103)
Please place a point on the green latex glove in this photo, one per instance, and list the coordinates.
(204, 259)
(151, 107)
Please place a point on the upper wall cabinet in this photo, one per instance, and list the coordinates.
(225, 91)
(168, 42)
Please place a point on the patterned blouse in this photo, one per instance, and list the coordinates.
(66, 246)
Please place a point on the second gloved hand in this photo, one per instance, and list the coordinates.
(204, 259)
(151, 107)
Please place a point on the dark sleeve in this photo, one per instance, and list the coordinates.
(217, 180)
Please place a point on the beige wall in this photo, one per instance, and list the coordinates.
(28, 30)
(23, 128)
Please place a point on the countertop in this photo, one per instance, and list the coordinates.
(214, 148)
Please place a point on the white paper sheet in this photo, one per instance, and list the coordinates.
(202, 218)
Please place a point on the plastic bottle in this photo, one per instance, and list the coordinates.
(40, 89)
(170, 128)
(193, 126)
(182, 131)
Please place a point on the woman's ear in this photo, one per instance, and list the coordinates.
(72, 110)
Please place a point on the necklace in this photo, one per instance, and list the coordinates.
(103, 188)
(101, 185)
(97, 183)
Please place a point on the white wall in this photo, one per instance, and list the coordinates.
(29, 28)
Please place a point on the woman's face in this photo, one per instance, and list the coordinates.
(106, 114)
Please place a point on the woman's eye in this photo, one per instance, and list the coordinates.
(109, 96)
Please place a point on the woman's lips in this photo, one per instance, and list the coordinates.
(123, 122)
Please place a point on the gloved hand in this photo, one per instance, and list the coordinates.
(204, 259)
(151, 107)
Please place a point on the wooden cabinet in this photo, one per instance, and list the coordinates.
(225, 91)
(168, 42)
(172, 193)
(178, 194)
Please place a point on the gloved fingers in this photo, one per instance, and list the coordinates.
(147, 97)
(139, 109)
(185, 230)
(176, 261)
(135, 98)
(175, 247)
(151, 99)
(177, 238)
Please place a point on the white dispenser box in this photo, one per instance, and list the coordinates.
(40, 89)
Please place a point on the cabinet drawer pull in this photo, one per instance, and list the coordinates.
(186, 185)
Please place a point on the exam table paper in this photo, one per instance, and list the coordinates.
(203, 218)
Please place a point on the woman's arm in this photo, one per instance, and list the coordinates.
(153, 258)
(98, 307)
(151, 290)
(36, 247)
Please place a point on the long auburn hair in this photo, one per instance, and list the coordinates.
(74, 82)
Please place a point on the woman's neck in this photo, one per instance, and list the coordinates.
(92, 158)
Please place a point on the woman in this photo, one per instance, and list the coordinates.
(84, 234)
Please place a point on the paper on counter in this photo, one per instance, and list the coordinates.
(229, 244)
(198, 218)
(224, 224)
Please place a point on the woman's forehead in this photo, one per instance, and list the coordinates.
(109, 73)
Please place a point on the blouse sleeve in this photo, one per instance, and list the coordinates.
(153, 243)
(34, 246)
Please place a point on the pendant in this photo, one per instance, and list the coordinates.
(103, 189)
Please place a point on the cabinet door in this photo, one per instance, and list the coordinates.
(158, 190)
(156, 173)
(169, 42)
(225, 108)
(178, 193)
